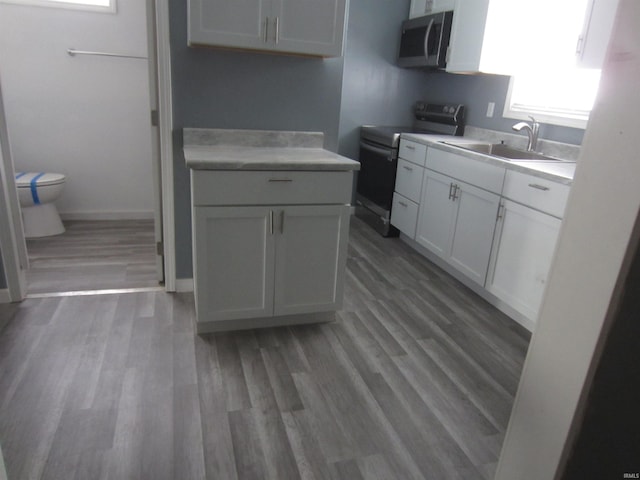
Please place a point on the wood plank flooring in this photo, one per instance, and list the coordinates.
(93, 255)
(415, 380)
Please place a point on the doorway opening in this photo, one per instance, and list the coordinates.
(87, 116)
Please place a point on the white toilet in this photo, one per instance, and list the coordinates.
(36, 192)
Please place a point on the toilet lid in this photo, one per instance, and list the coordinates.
(26, 179)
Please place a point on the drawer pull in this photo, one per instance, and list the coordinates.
(407, 168)
(404, 204)
(538, 187)
(281, 180)
(410, 147)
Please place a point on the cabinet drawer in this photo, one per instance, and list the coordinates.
(409, 180)
(404, 215)
(224, 187)
(412, 151)
(544, 195)
(475, 172)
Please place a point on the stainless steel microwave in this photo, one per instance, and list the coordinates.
(425, 40)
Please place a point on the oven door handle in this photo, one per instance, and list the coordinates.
(388, 153)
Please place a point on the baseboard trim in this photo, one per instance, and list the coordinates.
(125, 215)
(184, 285)
(4, 296)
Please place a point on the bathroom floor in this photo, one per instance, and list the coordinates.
(93, 255)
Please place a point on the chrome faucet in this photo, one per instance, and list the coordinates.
(532, 132)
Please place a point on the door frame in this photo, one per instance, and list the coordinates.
(14, 266)
(12, 243)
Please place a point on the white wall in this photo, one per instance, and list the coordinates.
(86, 117)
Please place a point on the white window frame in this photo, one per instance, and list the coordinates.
(66, 5)
(542, 115)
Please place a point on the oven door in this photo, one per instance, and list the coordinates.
(377, 175)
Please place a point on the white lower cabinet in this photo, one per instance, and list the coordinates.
(498, 227)
(311, 255)
(234, 271)
(522, 255)
(456, 222)
(263, 261)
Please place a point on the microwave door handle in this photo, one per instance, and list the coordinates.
(380, 151)
(426, 39)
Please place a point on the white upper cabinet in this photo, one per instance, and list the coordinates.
(228, 24)
(286, 26)
(309, 27)
(419, 8)
(594, 39)
(492, 36)
(507, 37)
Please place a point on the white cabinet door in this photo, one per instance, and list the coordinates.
(404, 215)
(522, 254)
(229, 23)
(311, 256)
(594, 39)
(409, 180)
(437, 213)
(473, 232)
(309, 27)
(234, 262)
(456, 222)
(288, 26)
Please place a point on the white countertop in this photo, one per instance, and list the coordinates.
(218, 149)
(225, 157)
(559, 171)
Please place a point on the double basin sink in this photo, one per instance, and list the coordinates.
(505, 152)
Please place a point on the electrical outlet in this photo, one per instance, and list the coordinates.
(490, 108)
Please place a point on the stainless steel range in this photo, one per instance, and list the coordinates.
(379, 159)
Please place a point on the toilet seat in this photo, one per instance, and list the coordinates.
(38, 187)
(26, 179)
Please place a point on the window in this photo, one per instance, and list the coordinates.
(91, 5)
(564, 97)
(552, 87)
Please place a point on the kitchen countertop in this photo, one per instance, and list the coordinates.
(558, 171)
(222, 149)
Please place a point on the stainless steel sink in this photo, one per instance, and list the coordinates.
(505, 152)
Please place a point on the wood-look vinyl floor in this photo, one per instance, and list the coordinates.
(93, 255)
(415, 380)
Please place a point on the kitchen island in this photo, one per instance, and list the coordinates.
(270, 224)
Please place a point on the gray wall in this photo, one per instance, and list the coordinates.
(374, 90)
(224, 89)
(475, 91)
